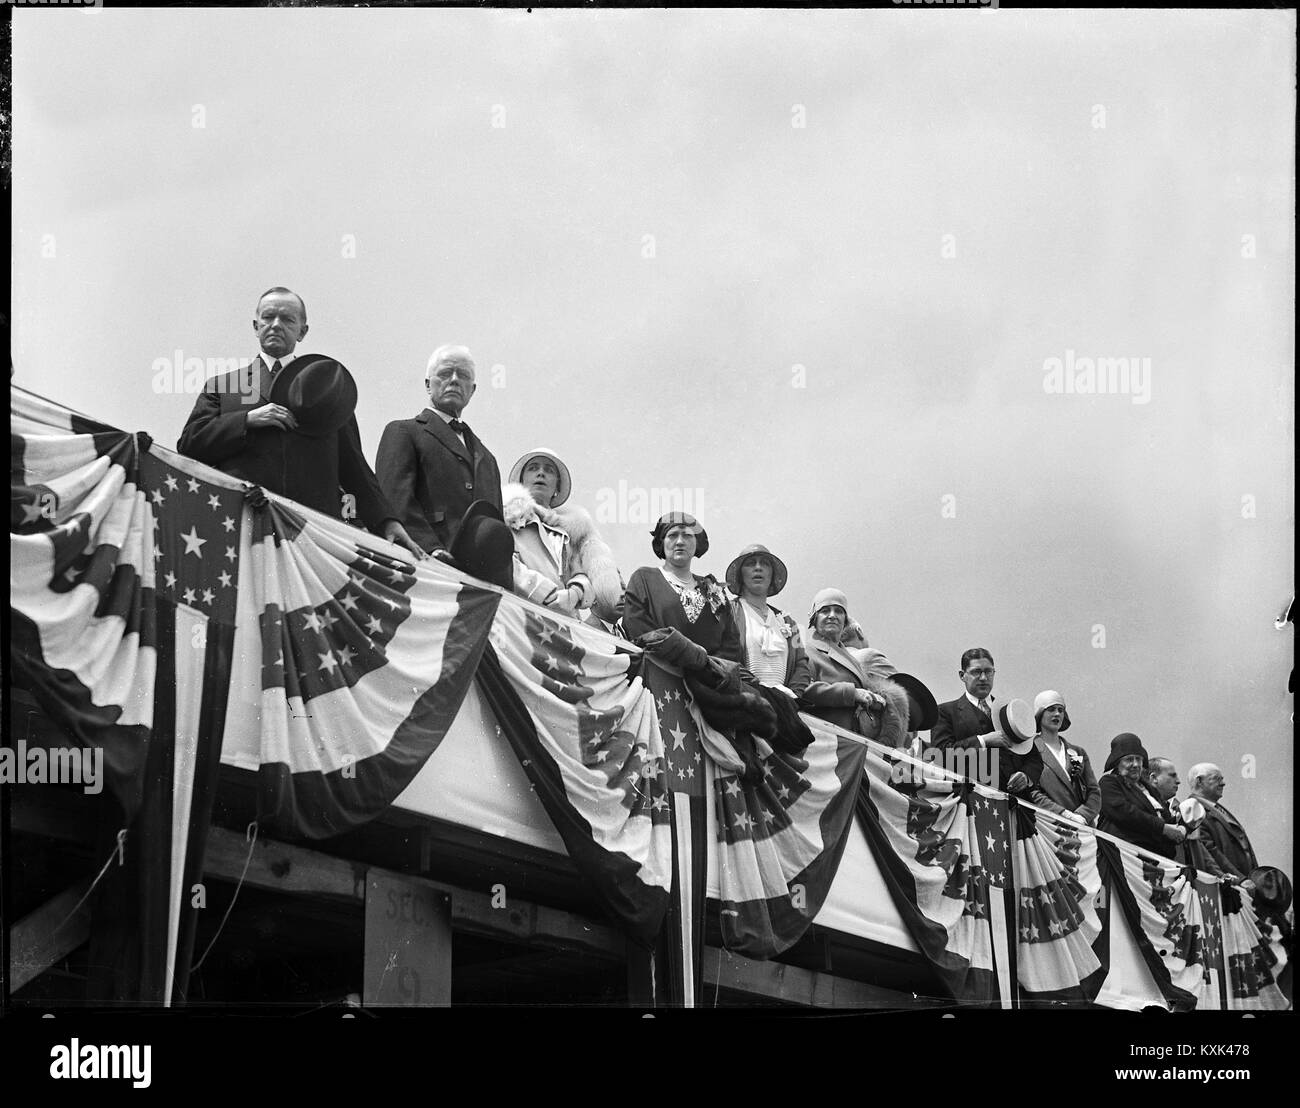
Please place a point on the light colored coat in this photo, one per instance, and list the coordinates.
(838, 672)
(574, 551)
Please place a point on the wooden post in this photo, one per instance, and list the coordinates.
(407, 943)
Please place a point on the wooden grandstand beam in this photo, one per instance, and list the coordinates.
(48, 935)
(785, 984)
(299, 871)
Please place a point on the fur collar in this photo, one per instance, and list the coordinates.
(586, 552)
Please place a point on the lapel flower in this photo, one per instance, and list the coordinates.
(1075, 759)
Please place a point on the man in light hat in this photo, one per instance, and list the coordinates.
(560, 559)
(286, 422)
(1067, 785)
(433, 467)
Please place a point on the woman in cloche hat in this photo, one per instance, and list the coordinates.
(1131, 811)
(1067, 786)
(859, 689)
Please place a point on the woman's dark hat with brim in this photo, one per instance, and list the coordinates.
(1121, 746)
(1015, 719)
(922, 708)
(779, 572)
(1272, 890)
(319, 391)
(484, 546)
(672, 519)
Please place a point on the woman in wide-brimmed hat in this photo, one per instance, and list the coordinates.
(671, 596)
(1067, 786)
(561, 561)
(770, 642)
(1129, 810)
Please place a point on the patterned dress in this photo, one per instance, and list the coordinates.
(703, 613)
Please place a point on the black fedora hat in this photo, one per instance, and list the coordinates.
(484, 546)
(319, 391)
(922, 708)
(1272, 889)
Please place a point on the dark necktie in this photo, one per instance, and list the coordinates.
(271, 374)
(457, 425)
(984, 707)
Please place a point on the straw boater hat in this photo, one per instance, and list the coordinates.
(672, 519)
(321, 394)
(779, 573)
(1015, 721)
(1045, 700)
(565, 484)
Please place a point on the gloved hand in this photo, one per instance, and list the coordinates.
(582, 582)
(567, 599)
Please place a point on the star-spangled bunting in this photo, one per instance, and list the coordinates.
(196, 539)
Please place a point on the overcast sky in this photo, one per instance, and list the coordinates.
(813, 264)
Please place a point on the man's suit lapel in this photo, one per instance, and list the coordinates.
(1229, 820)
(975, 719)
(435, 426)
(1231, 825)
(245, 384)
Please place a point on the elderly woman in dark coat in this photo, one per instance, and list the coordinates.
(1129, 810)
(671, 596)
(770, 642)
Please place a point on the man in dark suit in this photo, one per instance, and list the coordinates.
(963, 723)
(237, 428)
(608, 617)
(433, 466)
(1221, 832)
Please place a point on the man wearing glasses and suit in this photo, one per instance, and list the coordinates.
(967, 722)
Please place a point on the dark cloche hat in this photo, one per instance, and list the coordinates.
(672, 519)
